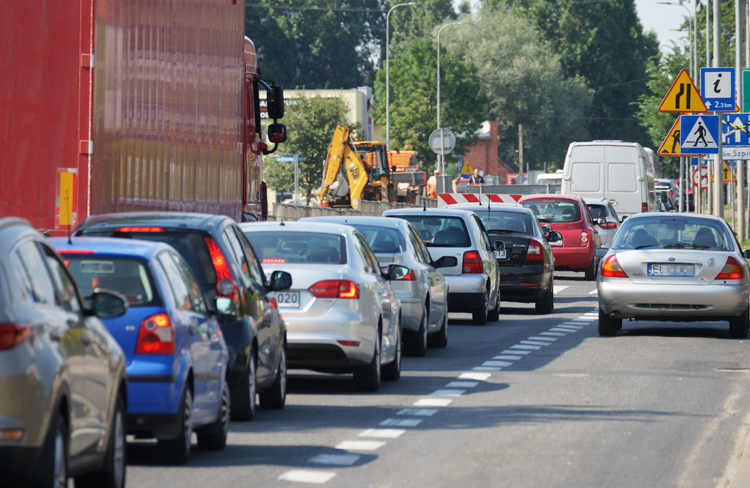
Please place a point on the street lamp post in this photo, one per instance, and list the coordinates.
(694, 48)
(442, 156)
(387, 72)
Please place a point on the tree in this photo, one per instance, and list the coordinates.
(523, 83)
(310, 126)
(413, 99)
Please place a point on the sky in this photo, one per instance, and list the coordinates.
(662, 18)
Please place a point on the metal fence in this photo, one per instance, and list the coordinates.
(375, 209)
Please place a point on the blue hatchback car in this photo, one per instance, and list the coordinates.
(175, 351)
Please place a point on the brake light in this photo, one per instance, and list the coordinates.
(608, 225)
(612, 269)
(155, 336)
(274, 260)
(584, 238)
(349, 343)
(273, 303)
(12, 434)
(126, 230)
(75, 251)
(644, 207)
(732, 270)
(671, 193)
(348, 289)
(472, 262)
(534, 252)
(335, 289)
(12, 335)
(221, 267)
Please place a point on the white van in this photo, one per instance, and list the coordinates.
(619, 171)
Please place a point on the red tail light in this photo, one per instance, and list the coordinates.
(534, 252)
(584, 238)
(75, 251)
(155, 336)
(732, 270)
(335, 289)
(348, 289)
(644, 207)
(472, 262)
(12, 335)
(273, 303)
(612, 269)
(608, 225)
(221, 267)
(126, 230)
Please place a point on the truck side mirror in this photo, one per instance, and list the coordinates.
(275, 99)
(277, 133)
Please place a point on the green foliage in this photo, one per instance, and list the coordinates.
(310, 127)
(413, 108)
(415, 23)
(523, 82)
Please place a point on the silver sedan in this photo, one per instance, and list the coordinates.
(342, 315)
(674, 267)
(423, 291)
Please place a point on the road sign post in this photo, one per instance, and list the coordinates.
(718, 91)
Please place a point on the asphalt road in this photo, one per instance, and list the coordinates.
(528, 401)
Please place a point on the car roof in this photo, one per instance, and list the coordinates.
(604, 143)
(110, 246)
(171, 220)
(495, 207)
(549, 196)
(429, 211)
(296, 226)
(357, 219)
(596, 201)
(674, 216)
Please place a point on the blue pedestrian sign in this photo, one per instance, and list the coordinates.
(699, 134)
(717, 89)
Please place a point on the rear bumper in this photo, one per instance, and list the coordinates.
(572, 257)
(154, 387)
(157, 426)
(465, 302)
(524, 284)
(20, 465)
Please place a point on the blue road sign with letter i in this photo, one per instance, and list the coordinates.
(717, 89)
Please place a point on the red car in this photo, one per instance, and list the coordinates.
(568, 215)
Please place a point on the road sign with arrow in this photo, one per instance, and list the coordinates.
(683, 96)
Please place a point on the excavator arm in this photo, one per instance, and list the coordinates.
(344, 173)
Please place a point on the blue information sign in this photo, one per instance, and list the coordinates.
(717, 89)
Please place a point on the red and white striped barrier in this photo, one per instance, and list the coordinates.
(446, 199)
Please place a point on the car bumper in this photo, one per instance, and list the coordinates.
(156, 426)
(572, 257)
(21, 465)
(524, 284)
(466, 292)
(673, 302)
(154, 387)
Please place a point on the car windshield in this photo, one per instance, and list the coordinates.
(437, 231)
(131, 277)
(277, 247)
(598, 211)
(506, 222)
(381, 239)
(551, 210)
(673, 233)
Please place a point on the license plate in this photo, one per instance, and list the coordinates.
(671, 270)
(556, 243)
(287, 299)
(500, 254)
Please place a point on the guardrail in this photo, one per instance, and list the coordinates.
(287, 212)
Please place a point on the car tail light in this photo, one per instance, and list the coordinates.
(534, 252)
(608, 225)
(644, 207)
(348, 289)
(75, 251)
(273, 303)
(155, 336)
(12, 335)
(349, 343)
(584, 238)
(274, 260)
(612, 269)
(12, 434)
(410, 276)
(126, 230)
(222, 269)
(472, 262)
(335, 289)
(732, 270)
(671, 193)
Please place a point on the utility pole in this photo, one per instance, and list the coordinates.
(718, 204)
(738, 187)
(520, 151)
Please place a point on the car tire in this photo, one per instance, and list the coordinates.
(545, 303)
(177, 451)
(440, 338)
(494, 314)
(608, 326)
(112, 474)
(479, 317)
(214, 436)
(275, 396)
(367, 378)
(738, 326)
(392, 370)
(54, 472)
(244, 394)
(590, 271)
(417, 340)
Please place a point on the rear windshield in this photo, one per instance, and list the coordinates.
(381, 239)
(554, 210)
(598, 211)
(508, 222)
(298, 247)
(190, 245)
(131, 277)
(672, 233)
(438, 231)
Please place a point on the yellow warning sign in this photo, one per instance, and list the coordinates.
(467, 168)
(671, 144)
(727, 173)
(683, 96)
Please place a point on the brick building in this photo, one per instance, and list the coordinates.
(483, 154)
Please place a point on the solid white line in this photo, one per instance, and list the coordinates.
(508, 351)
(525, 346)
(556, 334)
(335, 459)
(462, 384)
(496, 364)
(485, 368)
(303, 476)
(382, 433)
(418, 412)
(400, 422)
(448, 392)
(535, 343)
(550, 339)
(557, 289)
(593, 291)
(360, 445)
(508, 357)
(433, 402)
(474, 376)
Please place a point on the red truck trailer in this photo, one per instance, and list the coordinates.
(123, 105)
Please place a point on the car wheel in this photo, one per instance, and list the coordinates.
(54, 470)
(275, 397)
(176, 451)
(590, 271)
(738, 326)
(367, 378)
(494, 314)
(479, 317)
(546, 302)
(112, 474)
(416, 342)
(392, 371)
(243, 395)
(214, 437)
(607, 325)
(440, 338)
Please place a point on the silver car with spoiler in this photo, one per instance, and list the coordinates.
(674, 267)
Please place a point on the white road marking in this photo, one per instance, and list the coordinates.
(382, 433)
(555, 329)
(571, 326)
(360, 445)
(525, 346)
(508, 351)
(592, 292)
(419, 412)
(595, 314)
(485, 368)
(433, 402)
(585, 318)
(448, 392)
(508, 357)
(475, 376)
(556, 334)
(303, 476)
(335, 459)
(462, 384)
(550, 339)
(496, 364)
(401, 422)
(557, 289)
(535, 343)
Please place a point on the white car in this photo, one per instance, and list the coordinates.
(605, 217)
(342, 315)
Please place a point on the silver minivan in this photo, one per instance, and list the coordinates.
(619, 171)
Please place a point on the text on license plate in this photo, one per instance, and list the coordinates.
(500, 254)
(671, 270)
(556, 243)
(287, 298)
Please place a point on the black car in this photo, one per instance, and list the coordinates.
(523, 254)
(226, 266)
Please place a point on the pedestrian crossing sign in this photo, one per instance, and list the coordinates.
(671, 144)
(683, 96)
(699, 134)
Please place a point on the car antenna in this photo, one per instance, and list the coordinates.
(282, 223)
(424, 205)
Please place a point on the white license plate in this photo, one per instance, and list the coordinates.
(287, 299)
(671, 270)
(556, 243)
(500, 254)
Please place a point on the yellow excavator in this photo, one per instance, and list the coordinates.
(355, 171)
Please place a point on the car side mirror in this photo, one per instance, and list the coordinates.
(281, 280)
(277, 133)
(600, 252)
(107, 304)
(445, 262)
(623, 218)
(546, 229)
(226, 310)
(397, 272)
(554, 236)
(746, 253)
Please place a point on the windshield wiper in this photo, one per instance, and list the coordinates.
(683, 245)
(647, 245)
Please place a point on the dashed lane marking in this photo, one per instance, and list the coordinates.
(508, 351)
(557, 329)
(382, 433)
(474, 376)
(593, 291)
(400, 422)
(496, 364)
(448, 392)
(535, 343)
(462, 384)
(557, 289)
(555, 334)
(418, 412)
(571, 326)
(521, 347)
(305, 476)
(335, 459)
(508, 357)
(433, 402)
(485, 368)
(550, 339)
(360, 445)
